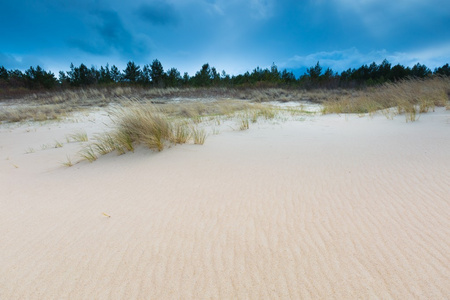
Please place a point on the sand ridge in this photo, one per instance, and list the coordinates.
(332, 207)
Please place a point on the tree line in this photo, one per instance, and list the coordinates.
(154, 75)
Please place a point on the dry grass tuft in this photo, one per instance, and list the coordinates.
(291, 95)
(32, 112)
(410, 97)
(105, 143)
(146, 124)
(210, 101)
(30, 150)
(267, 112)
(181, 133)
(199, 135)
(68, 163)
(196, 110)
(159, 126)
(79, 136)
(244, 122)
(88, 153)
(58, 144)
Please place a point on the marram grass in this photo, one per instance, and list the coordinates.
(244, 123)
(88, 153)
(409, 97)
(181, 133)
(199, 135)
(143, 124)
(68, 162)
(79, 136)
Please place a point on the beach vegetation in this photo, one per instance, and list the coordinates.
(143, 124)
(244, 122)
(199, 135)
(88, 153)
(409, 97)
(15, 83)
(79, 136)
(30, 150)
(104, 144)
(68, 162)
(215, 131)
(181, 132)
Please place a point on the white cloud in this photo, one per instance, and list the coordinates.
(21, 62)
(352, 58)
(432, 57)
(338, 60)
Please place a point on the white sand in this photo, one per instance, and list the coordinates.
(331, 207)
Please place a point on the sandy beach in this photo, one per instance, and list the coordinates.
(320, 207)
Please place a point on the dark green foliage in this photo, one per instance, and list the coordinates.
(63, 79)
(154, 75)
(383, 71)
(287, 77)
(225, 78)
(261, 77)
(3, 77)
(444, 70)
(39, 78)
(215, 76)
(275, 75)
(16, 79)
(82, 76)
(157, 73)
(328, 73)
(316, 78)
(132, 73)
(347, 74)
(186, 78)
(314, 72)
(3, 73)
(399, 72)
(173, 78)
(115, 74)
(420, 71)
(203, 77)
(105, 75)
(145, 75)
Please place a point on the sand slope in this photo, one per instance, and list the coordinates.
(332, 207)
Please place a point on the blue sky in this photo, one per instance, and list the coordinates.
(232, 35)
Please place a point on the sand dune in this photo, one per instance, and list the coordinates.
(331, 207)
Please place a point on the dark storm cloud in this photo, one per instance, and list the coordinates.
(108, 35)
(157, 13)
(97, 47)
(233, 35)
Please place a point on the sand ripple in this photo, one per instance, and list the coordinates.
(324, 209)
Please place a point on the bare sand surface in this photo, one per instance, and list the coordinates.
(329, 207)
